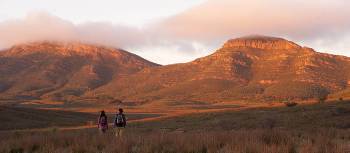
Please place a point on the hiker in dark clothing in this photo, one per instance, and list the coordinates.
(102, 122)
(119, 123)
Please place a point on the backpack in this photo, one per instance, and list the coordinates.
(119, 119)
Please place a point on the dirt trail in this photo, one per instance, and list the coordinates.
(171, 114)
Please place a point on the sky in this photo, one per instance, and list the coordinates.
(173, 31)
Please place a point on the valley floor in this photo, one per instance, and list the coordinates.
(39, 116)
(319, 128)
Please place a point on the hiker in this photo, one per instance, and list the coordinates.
(102, 122)
(119, 123)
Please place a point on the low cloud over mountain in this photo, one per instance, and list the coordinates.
(196, 31)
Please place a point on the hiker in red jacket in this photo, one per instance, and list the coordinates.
(119, 122)
(102, 122)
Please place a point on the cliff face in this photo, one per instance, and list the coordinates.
(261, 42)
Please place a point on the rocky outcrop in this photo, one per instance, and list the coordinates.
(261, 42)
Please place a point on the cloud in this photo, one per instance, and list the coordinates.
(41, 26)
(296, 19)
(322, 24)
(35, 27)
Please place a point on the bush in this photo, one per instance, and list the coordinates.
(322, 98)
(290, 103)
(16, 150)
(295, 90)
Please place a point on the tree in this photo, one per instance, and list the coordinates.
(322, 98)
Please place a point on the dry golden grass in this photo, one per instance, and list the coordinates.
(241, 141)
(318, 128)
(21, 118)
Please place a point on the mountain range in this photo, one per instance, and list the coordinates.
(258, 68)
(61, 70)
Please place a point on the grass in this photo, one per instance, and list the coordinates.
(28, 118)
(326, 115)
(318, 128)
(240, 141)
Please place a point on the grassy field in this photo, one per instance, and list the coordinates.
(240, 141)
(15, 118)
(328, 115)
(318, 128)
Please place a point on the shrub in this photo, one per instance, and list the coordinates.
(17, 150)
(290, 104)
(322, 98)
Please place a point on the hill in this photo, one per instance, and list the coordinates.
(249, 68)
(60, 71)
(253, 68)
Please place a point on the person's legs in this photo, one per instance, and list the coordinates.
(102, 130)
(119, 131)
